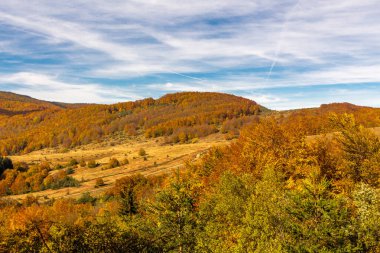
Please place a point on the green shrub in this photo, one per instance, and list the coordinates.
(86, 198)
(73, 162)
(70, 170)
(67, 181)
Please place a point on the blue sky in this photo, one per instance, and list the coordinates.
(283, 54)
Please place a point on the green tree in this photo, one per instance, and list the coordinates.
(264, 223)
(367, 220)
(222, 214)
(175, 217)
(5, 163)
(319, 219)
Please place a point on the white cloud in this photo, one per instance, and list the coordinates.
(50, 88)
(307, 42)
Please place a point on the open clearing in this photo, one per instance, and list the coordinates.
(161, 158)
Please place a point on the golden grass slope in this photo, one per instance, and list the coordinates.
(161, 158)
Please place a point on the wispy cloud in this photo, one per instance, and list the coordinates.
(51, 88)
(150, 47)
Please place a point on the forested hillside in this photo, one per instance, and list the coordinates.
(13, 104)
(317, 120)
(273, 190)
(29, 124)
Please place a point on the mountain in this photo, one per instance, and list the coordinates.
(14, 104)
(318, 120)
(28, 124)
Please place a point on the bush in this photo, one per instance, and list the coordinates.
(21, 167)
(92, 164)
(125, 161)
(142, 152)
(70, 170)
(58, 167)
(114, 163)
(5, 163)
(99, 182)
(82, 163)
(73, 162)
(86, 198)
(67, 181)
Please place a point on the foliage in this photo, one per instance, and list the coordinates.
(92, 164)
(274, 189)
(99, 182)
(5, 163)
(142, 152)
(113, 163)
(187, 115)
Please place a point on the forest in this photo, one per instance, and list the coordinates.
(27, 124)
(296, 181)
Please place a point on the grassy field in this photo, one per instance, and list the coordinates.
(161, 158)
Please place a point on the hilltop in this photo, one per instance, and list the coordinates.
(28, 124)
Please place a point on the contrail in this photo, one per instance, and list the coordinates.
(191, 77)
(279, 44)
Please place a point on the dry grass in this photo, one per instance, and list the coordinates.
(161, 158)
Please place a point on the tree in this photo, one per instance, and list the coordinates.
(367, 221)
(5, 163)
(361, 150)
(175, 217)
(73, 162)
(142, 152)
(128, 188)
(92, 164)
(99, 182)
(319, 220)
(113, 163)
(82, 163)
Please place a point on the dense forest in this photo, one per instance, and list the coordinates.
(28, 124)
(275, 189)
(294, 181)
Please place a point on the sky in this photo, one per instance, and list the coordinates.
(283, 54)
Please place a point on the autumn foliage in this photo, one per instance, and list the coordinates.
(300, 181)
(180, 117)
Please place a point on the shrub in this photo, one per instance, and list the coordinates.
(142, 152)
(82, 163)
(99, 182)
(92, 164)
(67, 181)
(70, 170)
(114, 163)
(5, 163)
(73, 162)
(21, 167)
(86, 198)
(58, 167)
(125, 161)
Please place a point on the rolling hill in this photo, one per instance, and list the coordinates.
(28, 124)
